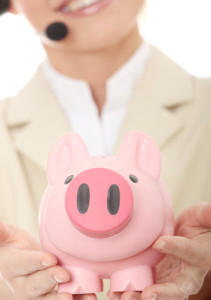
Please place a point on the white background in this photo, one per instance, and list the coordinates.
(181, 28)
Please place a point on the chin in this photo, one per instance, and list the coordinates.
(94, 40)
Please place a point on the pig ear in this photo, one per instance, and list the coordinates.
(69, 152)
(139, 150)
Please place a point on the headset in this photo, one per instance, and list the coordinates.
(4, 6)
(56, 31)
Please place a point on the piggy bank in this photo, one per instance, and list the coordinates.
(100, 215)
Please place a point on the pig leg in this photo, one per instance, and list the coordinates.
(132, 279)
(82, 281)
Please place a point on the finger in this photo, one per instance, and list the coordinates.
(168, 269)
(195, 216)
(22, 262)
(85, 297)
(114, 295)
(55, 296)
(190, 280)
(49, 296)
(166, 291)
(42, 282)
(128, 295)
(65, 296)
(4, 233)
(204, 215)
(182, 248)
(131, 295)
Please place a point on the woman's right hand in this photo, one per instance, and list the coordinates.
(29, 272)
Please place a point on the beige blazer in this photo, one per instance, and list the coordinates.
(171, 106)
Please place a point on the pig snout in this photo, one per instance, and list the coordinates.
(99, 202)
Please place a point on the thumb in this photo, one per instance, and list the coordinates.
(4, 233)
(204, 215)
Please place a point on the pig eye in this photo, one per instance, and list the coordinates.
(83, 197)
(113, 199)
(133, 178)
(68, 179)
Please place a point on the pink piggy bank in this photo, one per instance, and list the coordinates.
(100, 215)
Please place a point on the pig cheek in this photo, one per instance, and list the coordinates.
(148, 218)
(55, 216)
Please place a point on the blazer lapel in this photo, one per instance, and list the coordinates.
(36, 120)
(163, 86)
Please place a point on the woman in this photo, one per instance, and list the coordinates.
(102, 80)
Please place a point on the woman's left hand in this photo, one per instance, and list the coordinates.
(188, 258)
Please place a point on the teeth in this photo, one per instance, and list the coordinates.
(78, 4)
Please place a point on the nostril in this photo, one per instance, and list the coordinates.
(83, 197)
(113, 199)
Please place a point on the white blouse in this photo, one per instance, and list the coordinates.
(76, 101)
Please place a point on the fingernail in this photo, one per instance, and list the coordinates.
(160, 245)
(61, 278)
(48, 262)
(153, 297)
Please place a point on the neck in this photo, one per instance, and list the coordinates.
(95, 67)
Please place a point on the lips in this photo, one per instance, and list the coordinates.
(78, 8)
(76, 5)
(71, 5)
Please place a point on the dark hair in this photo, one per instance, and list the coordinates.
(4, 6)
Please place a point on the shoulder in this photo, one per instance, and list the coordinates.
(21, 108)
(202, 88)
(163, 62)
(4, 104)
(166, 74)
(16, 110)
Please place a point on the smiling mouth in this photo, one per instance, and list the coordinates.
(77, 5)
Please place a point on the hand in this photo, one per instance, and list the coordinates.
(29, 272)
(188, 258)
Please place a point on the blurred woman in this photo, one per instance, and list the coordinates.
(101, 79)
